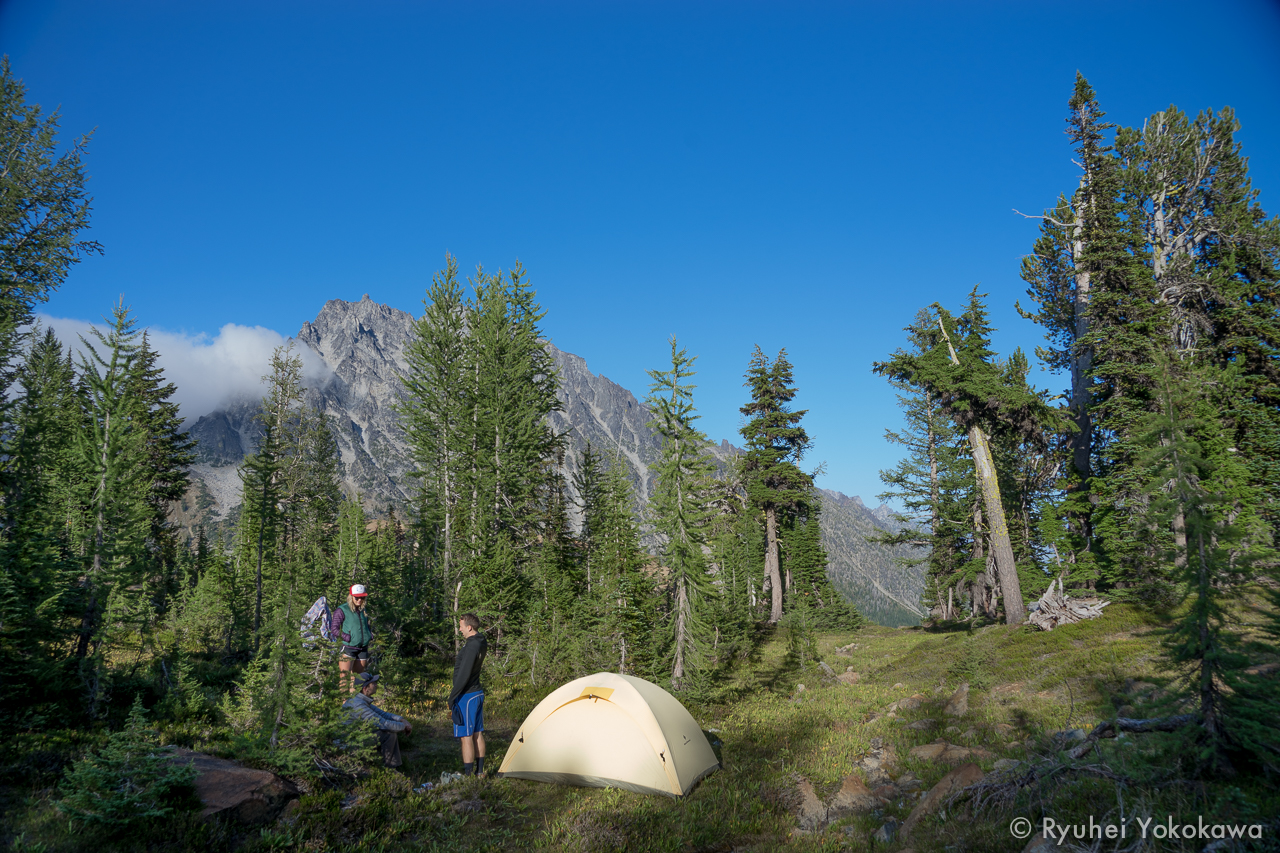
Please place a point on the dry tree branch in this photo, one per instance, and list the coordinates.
(1111, 728)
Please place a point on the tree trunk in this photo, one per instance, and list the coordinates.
(772, 571)
(99, 538)
(262, 526)
(1081, 441)
(1179, 538)
(682, 632)
(1015, 610)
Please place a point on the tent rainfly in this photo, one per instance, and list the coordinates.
(611, 731)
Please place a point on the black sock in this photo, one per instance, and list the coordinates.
(468, 769)
(480, 766)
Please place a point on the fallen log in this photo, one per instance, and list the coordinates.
(1111, 728)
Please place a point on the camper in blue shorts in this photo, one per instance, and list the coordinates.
(466, 701)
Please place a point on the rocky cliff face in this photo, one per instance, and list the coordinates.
(868, 573)
(362, 345)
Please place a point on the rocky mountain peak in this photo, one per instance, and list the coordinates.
(362, 348)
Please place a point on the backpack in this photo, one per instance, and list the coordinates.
(319, 611)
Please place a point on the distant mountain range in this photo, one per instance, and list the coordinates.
(362, 345)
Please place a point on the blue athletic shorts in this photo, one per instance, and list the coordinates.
(468, 714)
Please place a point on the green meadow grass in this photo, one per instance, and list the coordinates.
(770, 734)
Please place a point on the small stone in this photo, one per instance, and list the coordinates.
(953, 730)
(958, 779)
(899, 685)
(970, 734)
(958, 706)
(1126, 711)
(848, 669)
(928, 752)
(468, 806)
(877, 778)
(1013, 744)
(949, 753)
(853, 798)
(799, 688)
(826, 669)
(923, 725)
(1006, 764)
(911, 703)
(957, 754)
(885, 834)
(908, 782)
(813, 814)
(848, 677)
(1004, 729)
(1040, 844)
(885, 793)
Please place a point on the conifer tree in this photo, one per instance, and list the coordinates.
(979, 396)
(934, 483)
(113, 454)
(1083, 253)
(129, 781)
(806, 559)
(168, 452)
(775, 444)
(434, 406)
(679, 504)
(43, 208)
(622, 629)
(259, 528)
(39, 555)
(1189, 477)
(738, 560)
(588, 482)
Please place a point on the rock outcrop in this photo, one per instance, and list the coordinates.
(231, 790)
(954, 782)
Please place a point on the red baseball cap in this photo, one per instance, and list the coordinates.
(358, 591)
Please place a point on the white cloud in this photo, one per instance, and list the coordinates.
(208, 371)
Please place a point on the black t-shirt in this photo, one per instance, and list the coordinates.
(466, 668)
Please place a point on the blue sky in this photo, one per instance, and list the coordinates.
(799, 175)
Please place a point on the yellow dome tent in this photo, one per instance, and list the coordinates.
(611, 731)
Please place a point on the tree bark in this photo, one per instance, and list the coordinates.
(262, 526)
(87, 623)
(682, 630)
(772, 570)
(1179, 538)
(1015, 610)
(1082, 357)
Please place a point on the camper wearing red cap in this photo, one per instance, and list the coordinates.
(350, 625)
